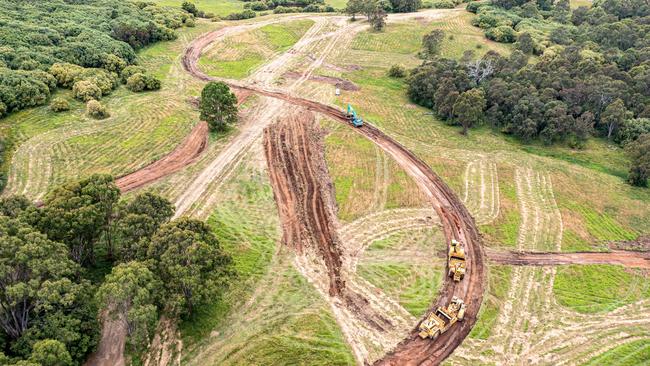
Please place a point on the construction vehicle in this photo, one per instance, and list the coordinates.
(456, 260)
(442, 319)
(353, 118)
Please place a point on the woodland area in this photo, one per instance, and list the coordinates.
(86, 255)
(574, 74)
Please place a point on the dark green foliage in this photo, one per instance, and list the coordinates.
(50, 352)
(468, 108)
(92, 34)
(35, 273)
(632, 129)
(136, 222)
(190, 8)
(397, 71)
(140, 82)
(431, 42)
(405, 6)
(77, 214)
(246, 14)
(13, 206)
(191, 264)
(639, 152)
(525, 43)
(131, 291)
(502, 33)
(218, 106)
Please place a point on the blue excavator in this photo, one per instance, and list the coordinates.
(353, 118)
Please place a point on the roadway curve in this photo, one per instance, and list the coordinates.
(455, 218)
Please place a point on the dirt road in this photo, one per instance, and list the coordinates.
(622, 257)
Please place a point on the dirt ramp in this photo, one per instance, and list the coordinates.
(303, 191)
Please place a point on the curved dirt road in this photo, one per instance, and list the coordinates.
(456, 221)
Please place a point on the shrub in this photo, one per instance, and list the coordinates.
(503, 34)
(86, 90)
(3, 109)
(65, 73)
(140, 82)
(113, 63)
(397, 71)
(96, 110)
(246, 14)
(473, 6)
(59, 105)
(130, 71)
(443, 4)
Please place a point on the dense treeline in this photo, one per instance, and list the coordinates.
(99, 35)
(592, 76)
(52, 260)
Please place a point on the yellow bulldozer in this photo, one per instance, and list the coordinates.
(439, 321)
(456, 260)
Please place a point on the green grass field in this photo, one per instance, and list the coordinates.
(636, 353)
(599, 288)
(217, 7)
(497, 291)
(238, 56)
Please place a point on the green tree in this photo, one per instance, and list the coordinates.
(137, 221)
(190, 8)
(129, 292)
(35, 275)
(191, 263)
(639, 152)
(378, 19)
(613, 117)
(469, 108)
(50, 352)
(13, 206)
(218, 105)
(432, 41)
(525, 43)
(77, 214)
(354, 7)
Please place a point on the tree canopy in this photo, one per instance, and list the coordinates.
(218, 105)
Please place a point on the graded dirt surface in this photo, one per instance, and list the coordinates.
(110, 351)
(621, 257)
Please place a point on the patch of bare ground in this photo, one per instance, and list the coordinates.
(166, 346)
(110, 351)
(338, 82)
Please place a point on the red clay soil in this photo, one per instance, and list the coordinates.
(621, 257)
(186, 153)
(303, 192)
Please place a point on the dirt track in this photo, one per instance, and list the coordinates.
(626, 258)
(302, 192)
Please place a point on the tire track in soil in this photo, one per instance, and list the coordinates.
(370, 320)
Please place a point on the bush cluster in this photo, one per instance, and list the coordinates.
(53, 43)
